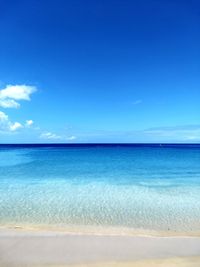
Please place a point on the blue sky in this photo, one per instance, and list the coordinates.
(99, 71)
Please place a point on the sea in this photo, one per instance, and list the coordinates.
(139, 187)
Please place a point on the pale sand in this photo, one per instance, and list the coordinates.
(56, 249)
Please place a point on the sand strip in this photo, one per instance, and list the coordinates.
(26, 248)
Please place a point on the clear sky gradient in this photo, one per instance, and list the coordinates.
(99, 71)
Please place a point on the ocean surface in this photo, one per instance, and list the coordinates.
(141, 187)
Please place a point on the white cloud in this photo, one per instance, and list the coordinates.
(71, 138)
(53, 136)
(15, 126)
(9, 103)
(9, 98)
(50, 135)
(6, 125)
(11, 93)
(29, 123)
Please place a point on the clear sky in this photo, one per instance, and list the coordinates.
(99, 71)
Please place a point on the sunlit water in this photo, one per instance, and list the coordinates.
(139, 187)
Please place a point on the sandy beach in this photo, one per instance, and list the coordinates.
(46, 248)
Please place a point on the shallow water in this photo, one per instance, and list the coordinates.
(141, 187)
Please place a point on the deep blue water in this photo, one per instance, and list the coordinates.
(154, 187)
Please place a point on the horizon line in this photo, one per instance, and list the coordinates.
(107, 143)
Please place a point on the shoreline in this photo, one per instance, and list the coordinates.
(57, 249)
(96, 230)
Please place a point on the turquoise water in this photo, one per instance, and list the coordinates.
(139, 187)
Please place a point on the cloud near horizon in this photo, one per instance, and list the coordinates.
(71, 138)
(49, 135)
(12, 94)
(53, 136)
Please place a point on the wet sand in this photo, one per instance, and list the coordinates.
(46, 248)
